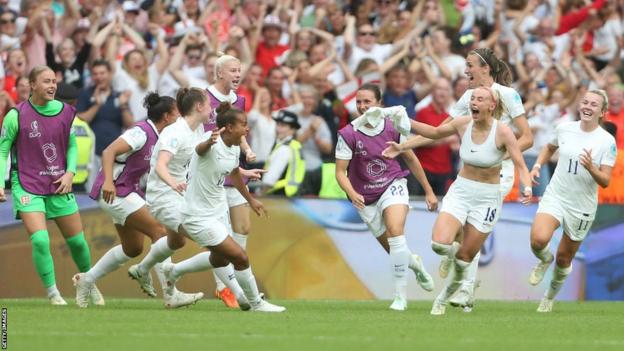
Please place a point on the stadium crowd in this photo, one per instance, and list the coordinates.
(309, 58)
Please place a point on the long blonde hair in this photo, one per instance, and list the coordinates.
(143, 77)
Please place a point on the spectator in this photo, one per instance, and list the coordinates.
(23, 89)
(398, 92)
(615, 115)
(437, 158)
(106, 110)
(269, 49)
(15, 67)
(261, 127)
(285, 165)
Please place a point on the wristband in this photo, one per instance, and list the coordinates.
(528, 189)
(537, 165)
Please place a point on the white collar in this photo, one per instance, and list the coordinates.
(231, 97)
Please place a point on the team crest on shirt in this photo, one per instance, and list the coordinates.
(375, 168)
(613, 150)
(34, 130)
(25, 200)
(49, 152)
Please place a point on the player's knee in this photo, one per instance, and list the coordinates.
(176, 242)
(41, 244)
(133, 251)
(538, 243)
(564, 260)
(464, 256)
(240, 261)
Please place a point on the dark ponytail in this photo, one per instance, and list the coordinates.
(157, 106)
(499, 70)
(226, 114)
(187, 98)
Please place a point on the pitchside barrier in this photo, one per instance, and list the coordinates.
(320, 249)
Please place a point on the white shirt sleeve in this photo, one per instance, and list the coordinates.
(169, 141)
(277, 164)
(462, 106)
(609, 153)
(554, 139)
(135, 137)
(343, 151)
(512, 102)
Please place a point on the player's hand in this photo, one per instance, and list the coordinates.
(65, 183)
(215, 135)
(527, 195)
(250, 156)
(258, 208)
(252, 174)
(432, 201)
(179, 187)
(392, 151)
(357, 200)
(586, 159)
(534, 174)
(108, 192)
(2, 196)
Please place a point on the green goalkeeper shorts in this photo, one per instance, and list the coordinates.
(52, 206)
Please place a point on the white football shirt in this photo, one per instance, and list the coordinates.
(571, 183)
(205, 195)
(180, 141)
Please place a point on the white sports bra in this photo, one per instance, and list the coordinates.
(483, 155)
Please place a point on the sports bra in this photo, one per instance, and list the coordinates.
(483, 155)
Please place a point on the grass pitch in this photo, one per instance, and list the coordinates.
(129, 324)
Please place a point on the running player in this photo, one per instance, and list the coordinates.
(117, 189)
(378, 189)
(484, 69)
(44, 153)
(227, 80)
(587, 154)
(205, 212)
(473, 202)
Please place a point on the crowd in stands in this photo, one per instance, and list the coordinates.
(309, 57)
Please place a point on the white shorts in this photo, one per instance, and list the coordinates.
(574, 227)
(166, 209)
(122, 207)
(507, 177)
(207, 231)
(474, 202)
(234, 197)
(372, 215)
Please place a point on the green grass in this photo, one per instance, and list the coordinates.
(128, 324)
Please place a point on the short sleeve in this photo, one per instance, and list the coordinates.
(343, 151)
(513, 103)
(169, 141)
(135, 137)
(609, 155)
(462, 106)
(554, 138)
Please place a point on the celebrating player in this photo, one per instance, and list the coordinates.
(118, 190)
(378, 189)
(587, 154)
(205, 212)
(473, 202)
(44, 160)
(227, 80)
(483, 69)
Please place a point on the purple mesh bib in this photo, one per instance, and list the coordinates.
(369, 172)
(41, 147)
(136, 165)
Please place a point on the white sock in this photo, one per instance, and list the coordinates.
(544, 254)
(160, 274)
(399, 259)
(197, 263)
(218, 281)
(471, 272)
(53, 291)
(248, 283)
(440, 249)
(241, 239)
(112, 260)
(226, 276)
(460, 273)
(559, 277)
(157, 253)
